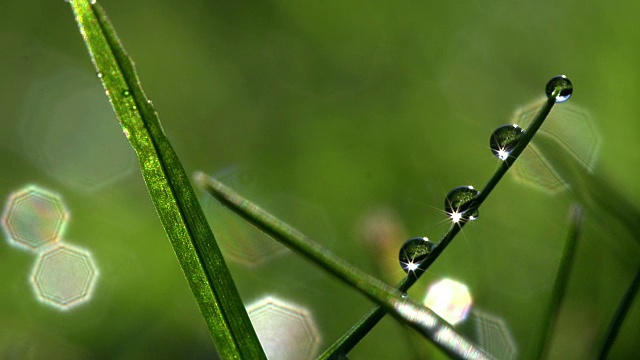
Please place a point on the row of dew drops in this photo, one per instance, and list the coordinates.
(448, 298)
(63, 276)
(458, 202)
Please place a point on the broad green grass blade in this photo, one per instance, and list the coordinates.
(170, 190)
(416, 316)
(561, 282)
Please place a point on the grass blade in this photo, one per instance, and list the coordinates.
(170, 190)
(351, 338)
(619, 316)
(418, 317)
(576, 216)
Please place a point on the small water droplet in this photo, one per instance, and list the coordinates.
(99, 75)
(458, 201)
(504, 139)
(564, 84)
(126, 93)
(413, 253)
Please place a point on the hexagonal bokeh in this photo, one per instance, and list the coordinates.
(449, 299)
(568, 126)
(69, 131)
(64, 276)
(494, 335)
(34, 217)
(286, 331)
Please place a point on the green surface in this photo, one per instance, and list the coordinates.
(169, 187)
(321, 113)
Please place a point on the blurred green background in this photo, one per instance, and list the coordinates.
(329, 114)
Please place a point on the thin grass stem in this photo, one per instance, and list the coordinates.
(416, 316)
(576, 216)
(619, 316)
(346, 342)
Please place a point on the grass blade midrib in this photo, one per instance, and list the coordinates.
(169, 187)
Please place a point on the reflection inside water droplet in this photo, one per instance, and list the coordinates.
(560, 82)
(458, 202)
(414, 252)
(504, 139)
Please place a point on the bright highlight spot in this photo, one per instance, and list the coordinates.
(64, 277)
(286, 331)
(494, 336)
(449, 299)
(34, 217)
(455, 217)
(502, 154)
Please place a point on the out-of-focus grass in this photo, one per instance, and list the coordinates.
(348, 106)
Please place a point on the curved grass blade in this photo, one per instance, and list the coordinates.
(418, 317)
(170, 190)
(576, 215)
(351, 338)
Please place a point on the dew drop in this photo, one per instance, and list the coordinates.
(560, 82)
(458, 201)
(99, 75)
(413, 253)
(504, 139)
(126, 93)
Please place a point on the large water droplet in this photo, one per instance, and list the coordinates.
(504, 139)
(564, 84)
(458, 201)
(413, 253)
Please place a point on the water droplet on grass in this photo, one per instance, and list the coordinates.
(564, 84)
(458, 201)
(126, 93)
(414, 252)
(504, 139)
